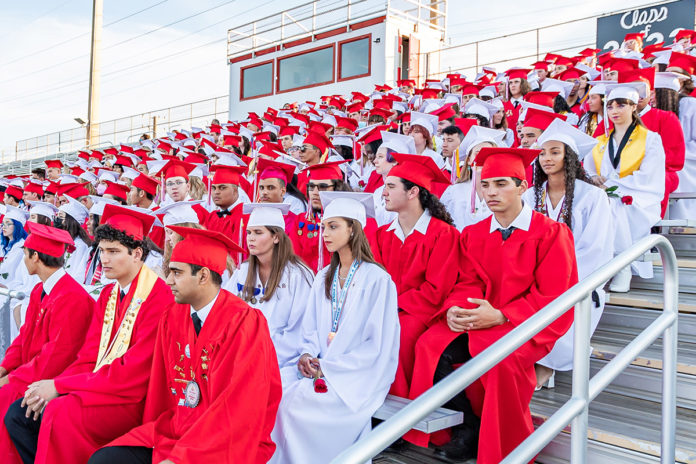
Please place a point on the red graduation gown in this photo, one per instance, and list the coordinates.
(668, 126)
(374, 182)
(519, 277)
(47, 343)
(96, 407)
(512, 114)
(424, 271)
(239, 383)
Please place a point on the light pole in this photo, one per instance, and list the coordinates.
(94, 71)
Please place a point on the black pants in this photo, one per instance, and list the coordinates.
(23, 431)
(457, 352)
(121, 455)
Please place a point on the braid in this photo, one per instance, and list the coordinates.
(430, 202)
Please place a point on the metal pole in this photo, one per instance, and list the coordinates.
(537, 42)
(94, 71)
(670, 305)
(581, 376)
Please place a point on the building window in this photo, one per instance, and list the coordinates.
(257, 80)
(306, 69)
(354, 58)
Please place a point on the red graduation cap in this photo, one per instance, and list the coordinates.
(111, 151)
(347, 123)
(382, 88)
(406, 83)
(319, 127)
(639, 36)
(146, 183)
(355, 107)
(330, 170)
(457, 81)
(540, 119)
(418, 169)
(269, 169)
(465, 124)
(231, 140)
(83, 155)
(589, 52)
(428, 93)
(227, 174)
(318, 140)
(53, 164)
(620, 64)
(541, 98)
(52, 188)
(33, 187)
(444, 112)
(684, 34)
(471, 89)
(75, 190)
(517, 73)
(206, 248)
(177, 168)
(646, 75)
(570, 74)
(117, 190)
(337, 102)
(288, 131)
(563, 61)
(126, 149)
(404, 117)
(357, 96)
(196, 158)
(505, 162)
(383, 104)
(129, 221)
(386, 114)
(46, 239)
(215, 128)
(686, 63)
(375, 133)
(14, 191)
(541, 65)
(124, 161)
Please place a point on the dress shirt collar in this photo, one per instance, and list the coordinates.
(522, 221)
(205, 310)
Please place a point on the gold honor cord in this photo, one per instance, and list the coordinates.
(118, 347)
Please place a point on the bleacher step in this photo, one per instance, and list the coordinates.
(684, 244)
(439, 419)
(651, 299)
(687, 280)
(629, 423)
(616, 318)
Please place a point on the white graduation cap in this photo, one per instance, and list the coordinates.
(43, 208)
(228, 159)
(591, 73)
(329, 119)
(477, 135)
(554, 85)
(98, 204)
(19, 215)
(266, 214)
(147, 143)
(153, 167)
(268, 127)
(497, 102)
(95, 164)
(400, 106)
(246, 133)
(352, 205)
(111, 176)
(130, 173)
(480, 107)
(207, 149)
(427, 121)
(632, 91)
(668, 80)
(662, 57)
(432, 104)
(179, 213)
(452, 98)
(398, 142)
(67, 179)
(75, 209)
(599, 87)
(561, 131)
(527, 105)
(488, 91)
(89, 177)
(297, 140)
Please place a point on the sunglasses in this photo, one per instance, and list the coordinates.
(322, 187)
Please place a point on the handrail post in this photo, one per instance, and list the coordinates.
(581, 380)
(670, 305)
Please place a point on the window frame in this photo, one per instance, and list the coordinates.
(369, 57)
(256, 65)
(332, 46)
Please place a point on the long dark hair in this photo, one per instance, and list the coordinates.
(74, 229)
(292, 190)
(430, 202)
(572, 170)
(283, 255)
(667, 100)
(560, 105)
(359, 248)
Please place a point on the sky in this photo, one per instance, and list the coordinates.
(162, 53)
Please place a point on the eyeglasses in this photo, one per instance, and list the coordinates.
(305, 148)
(175, 183)
(322, 187)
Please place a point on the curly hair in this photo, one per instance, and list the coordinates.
(111, 234)
(573, 169)
(667, 100)
(430, 202)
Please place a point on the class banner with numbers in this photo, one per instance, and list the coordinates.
(660, 23)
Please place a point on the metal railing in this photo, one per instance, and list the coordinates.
(584, 389)
(8, 295)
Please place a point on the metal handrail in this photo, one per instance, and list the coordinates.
(584, 389)
(4, 313)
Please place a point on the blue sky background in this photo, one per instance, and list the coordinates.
(149, 63)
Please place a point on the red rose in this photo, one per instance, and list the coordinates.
(361, 183)
(627, 200)
(320, 386)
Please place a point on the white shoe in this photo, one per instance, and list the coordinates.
(621, 283)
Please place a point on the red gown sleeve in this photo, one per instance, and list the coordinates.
(673, 142)
(248, 378)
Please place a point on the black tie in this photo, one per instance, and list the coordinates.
(123, 295)
(223, 213)
(516, 103)
(197, 323)
(506, 232)
(43, 294)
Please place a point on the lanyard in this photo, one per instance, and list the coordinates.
(337, 303)
(546, 206)
(616, 158)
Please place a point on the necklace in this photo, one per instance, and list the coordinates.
(338, 299)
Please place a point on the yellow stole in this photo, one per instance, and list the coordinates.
(118, 347)
(631, 156)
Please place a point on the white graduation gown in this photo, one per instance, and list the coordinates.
(593, 232)
(647, 187)
(357, 180)
(76, 262)
(439, 160)
(686, 209)
(359, 367)
(382, 216)
(296, 205)
(457, 201)
(284, 310)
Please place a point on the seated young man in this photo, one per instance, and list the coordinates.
(511, 265)
(101, 395)
(57, 319)
(215, 384)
